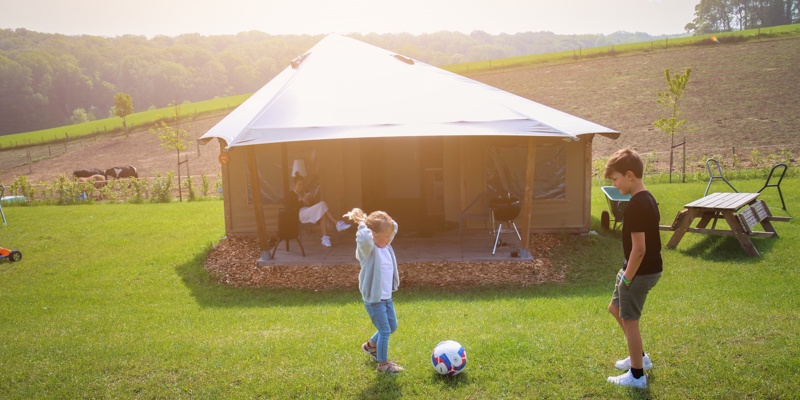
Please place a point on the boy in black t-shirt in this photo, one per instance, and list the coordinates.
(641, 244)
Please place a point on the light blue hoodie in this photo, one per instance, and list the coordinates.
(369, 279)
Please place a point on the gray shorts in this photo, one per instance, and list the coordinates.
(630, 299)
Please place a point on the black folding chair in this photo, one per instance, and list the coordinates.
(768, 183)
(288, 228)
(712, 176)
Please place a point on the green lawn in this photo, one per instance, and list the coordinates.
(112, 301)
(137, 120)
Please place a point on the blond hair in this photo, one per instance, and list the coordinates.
(377, 221)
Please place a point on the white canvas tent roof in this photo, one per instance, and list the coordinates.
(344, 88)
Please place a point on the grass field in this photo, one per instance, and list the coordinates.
(578, 53)
(112, 301)
(142, 119)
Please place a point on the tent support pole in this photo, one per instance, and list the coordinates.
(255, 188)
(527, 206)
(587, 194)
(462, 174)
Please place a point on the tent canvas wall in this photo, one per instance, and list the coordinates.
(378, 130)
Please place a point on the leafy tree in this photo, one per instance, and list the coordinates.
(173, 137)
(79, 116)
(123, 106)
(671, 99)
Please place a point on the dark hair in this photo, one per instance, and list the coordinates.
(623, 161)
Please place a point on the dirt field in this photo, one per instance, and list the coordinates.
(741, 95)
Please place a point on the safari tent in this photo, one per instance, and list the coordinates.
(380, 131)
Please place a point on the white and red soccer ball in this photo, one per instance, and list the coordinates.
(449, 358)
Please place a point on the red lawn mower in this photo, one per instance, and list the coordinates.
(11, 255)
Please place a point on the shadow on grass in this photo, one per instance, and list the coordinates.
(719, 248)
(589, 263)
(383, 386)
(450, 382)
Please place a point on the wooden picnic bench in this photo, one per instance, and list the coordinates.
(726, 206)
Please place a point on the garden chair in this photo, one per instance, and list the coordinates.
(288, 228)
(712, 176)
(477, 210)
(769, 183)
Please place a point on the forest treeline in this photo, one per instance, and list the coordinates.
(49, 80)
(728, 15)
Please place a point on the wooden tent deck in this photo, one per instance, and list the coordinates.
(472, 246)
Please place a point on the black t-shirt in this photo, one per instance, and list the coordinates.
(642, 215)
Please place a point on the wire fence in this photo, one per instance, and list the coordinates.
(25, 155)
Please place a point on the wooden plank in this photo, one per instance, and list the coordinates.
(527, 206)
(587, 180)
(682, 227)
(765, 222)
(764, 234)
(740, 235)
(779, 219)
(724, 201)
(724, 232)
(255, 189)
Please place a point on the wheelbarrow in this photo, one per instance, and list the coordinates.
(11, 255)
(617, 202)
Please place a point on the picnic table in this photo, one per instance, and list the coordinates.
(726, 206)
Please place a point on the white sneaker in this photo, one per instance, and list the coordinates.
(326, 241)
(340, 226)
(624, 365)
(628, 380)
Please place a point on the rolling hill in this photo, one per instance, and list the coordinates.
(740, 97)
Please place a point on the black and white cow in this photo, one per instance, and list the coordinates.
(122, 172)
(85, 173)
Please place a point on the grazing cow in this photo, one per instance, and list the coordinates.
(122, 172)
(98, 181)
(85, 173)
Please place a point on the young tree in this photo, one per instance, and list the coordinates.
(123, 106)
(79, 115)
(671, 99)
(173, 138)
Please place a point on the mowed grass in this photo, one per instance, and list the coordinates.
(137, 120)
(578, 53)
(113, 301)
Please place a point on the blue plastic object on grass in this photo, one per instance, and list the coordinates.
(617, 202)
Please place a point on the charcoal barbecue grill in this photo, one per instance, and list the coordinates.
(505, 209)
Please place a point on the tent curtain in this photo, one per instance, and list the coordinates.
(506, 165)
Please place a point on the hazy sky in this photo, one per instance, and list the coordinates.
(175, 17)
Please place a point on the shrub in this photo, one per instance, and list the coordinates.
(138, 190)
(162, 188)
(22, 187)
(188, 183)
(755, 158)
(205, 185)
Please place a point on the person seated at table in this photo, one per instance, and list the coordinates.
(309, 213)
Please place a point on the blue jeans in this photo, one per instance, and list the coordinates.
(384, 318)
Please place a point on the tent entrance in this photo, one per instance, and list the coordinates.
(403, 176)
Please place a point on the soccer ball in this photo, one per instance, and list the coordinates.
(449, 358)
